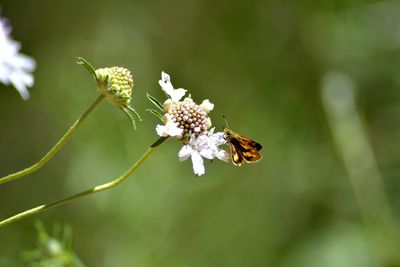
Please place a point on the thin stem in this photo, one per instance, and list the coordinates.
(55, 148)
(93, 190)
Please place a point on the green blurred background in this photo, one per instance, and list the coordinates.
(309, 202)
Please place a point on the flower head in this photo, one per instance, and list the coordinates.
(116, 84)
(189, 122)
(187, 116)
(15, 68)
(182, 118)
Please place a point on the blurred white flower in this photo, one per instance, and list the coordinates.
(15, 68)
(166, 85)
(204, 146)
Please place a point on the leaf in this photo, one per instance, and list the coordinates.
(155, 113)
(134, 112)
(160, 141)
(155, 102)
(126, 111)
(87, 65)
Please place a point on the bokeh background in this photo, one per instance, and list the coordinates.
(316, 82)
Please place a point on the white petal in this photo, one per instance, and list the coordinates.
(167, 105)
(198, 164)
(21, 88)
(15, 67)
(165, 76)
(207, 106)
(208, 153)
(188, 99)
(160, 129)
(184, 153)
(172, 130)
(177, 94)
(165, 83)
(25, 62)
(219, 138)
(208, 122)
(166, 86)
(169, 129)
(192, 141)
(202, 142)
(223, 155)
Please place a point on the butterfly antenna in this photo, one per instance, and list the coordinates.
(226, 122)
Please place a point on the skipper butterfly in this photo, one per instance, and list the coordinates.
(242, 149)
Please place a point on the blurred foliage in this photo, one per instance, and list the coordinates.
(53, 251)
(262, 63)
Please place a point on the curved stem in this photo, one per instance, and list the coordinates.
(55, 148)
(93, 190)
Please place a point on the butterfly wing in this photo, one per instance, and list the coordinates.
(252, 156)
(236, 155)
(248, 150)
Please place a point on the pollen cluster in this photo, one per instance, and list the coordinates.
(116, 84)
(188, 116)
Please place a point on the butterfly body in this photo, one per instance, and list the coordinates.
(242, 149)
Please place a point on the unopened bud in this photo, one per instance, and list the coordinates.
(115, 84)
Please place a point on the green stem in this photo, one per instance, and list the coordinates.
(55, 148)
(93, 190)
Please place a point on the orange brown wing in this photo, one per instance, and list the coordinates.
(252, 156)
(236, 155)
(244, 150)
(246, 143)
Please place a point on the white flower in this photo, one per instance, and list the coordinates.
(190, 123)
(15, 68)
(204, 146)
(166, 85)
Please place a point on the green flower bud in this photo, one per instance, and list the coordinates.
(115, 84)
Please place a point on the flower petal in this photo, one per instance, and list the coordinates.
(169, 129)
(201, 142)
(223, 155)
(207, 106)
(218, 138)
(167, 105)
(185, 152)
(15, 67)
(177, 94)
(165, 76)
(21, 87)
(198, 164)
(208, 153)
(208, 122)
(167, 87)
(165, 83)
(172, 130)
(160, 129)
